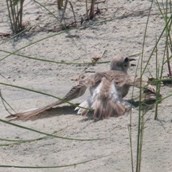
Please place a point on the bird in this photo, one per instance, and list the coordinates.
(106, 98)
(107, 90)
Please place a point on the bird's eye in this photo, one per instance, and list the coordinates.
(126, 60)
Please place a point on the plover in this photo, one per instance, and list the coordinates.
(107, 90)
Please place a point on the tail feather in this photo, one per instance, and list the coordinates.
(107, 101)
(107, 109)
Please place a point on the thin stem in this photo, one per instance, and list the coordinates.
(141, 115)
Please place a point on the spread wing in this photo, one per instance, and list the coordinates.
(74, 92)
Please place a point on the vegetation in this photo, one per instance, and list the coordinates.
(16, 11)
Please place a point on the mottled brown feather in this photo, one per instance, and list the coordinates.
(117, 74)
(106, 102)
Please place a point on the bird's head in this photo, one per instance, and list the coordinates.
(121, 64)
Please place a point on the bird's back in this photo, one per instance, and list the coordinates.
(118, 77)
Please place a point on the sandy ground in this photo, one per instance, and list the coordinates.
(118, 30)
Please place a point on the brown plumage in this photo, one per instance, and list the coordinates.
(107, 101)
(32, 114)
(117, 77)
(107, 95)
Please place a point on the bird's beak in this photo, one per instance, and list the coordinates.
(132, 60)
(133, 65)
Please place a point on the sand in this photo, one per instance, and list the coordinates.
(117, 31)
